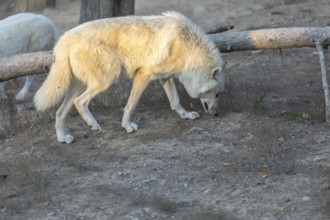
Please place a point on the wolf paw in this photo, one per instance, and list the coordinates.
(67, 139)
(130, 127)
(20, 96)
(189, 115)
(96, 127)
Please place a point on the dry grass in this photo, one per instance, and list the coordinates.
(269, 154)
(163, 204)
(208, 214)
(16, 117)
(158, 202)
(22, 177)
(74, 157)
(9, 117)
(264, 151)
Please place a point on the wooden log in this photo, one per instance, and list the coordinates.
(325, 79)
(25, 64)
(277, 38)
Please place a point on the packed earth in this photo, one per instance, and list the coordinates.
(266, 156)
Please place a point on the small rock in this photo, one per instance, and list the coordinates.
(318, 158)
(269, 216)
(51, 214)
(306, 198)
(220, 145)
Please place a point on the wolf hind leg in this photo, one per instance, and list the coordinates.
(97, 69)
(173, 97)
(73, 92)
(81, 103)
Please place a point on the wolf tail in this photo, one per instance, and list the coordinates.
(57, 83)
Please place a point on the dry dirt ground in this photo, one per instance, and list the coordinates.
(267, 156)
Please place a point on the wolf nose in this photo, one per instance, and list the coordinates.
(216, 114)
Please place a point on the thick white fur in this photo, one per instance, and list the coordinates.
(22, 33)
(91, 56)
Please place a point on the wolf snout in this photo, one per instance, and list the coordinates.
(211, 109)
(214, 112)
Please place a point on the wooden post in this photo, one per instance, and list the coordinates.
(325, 80)
(96, 9)
(123, 7)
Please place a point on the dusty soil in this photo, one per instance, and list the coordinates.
(267, 156)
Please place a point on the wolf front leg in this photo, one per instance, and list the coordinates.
(61, 114)
(173, 97)
(141, 81)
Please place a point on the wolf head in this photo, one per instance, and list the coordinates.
(210, 97)
(206, 84)
(202, 74)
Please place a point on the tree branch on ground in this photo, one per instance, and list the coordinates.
(277, 38)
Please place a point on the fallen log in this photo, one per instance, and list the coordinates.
(25, 64)
(277, 38)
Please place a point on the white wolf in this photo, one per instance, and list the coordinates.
(22, 33)
(91, 56)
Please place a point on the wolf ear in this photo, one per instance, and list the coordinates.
(216, 71)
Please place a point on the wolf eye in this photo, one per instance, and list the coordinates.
(217, 95)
